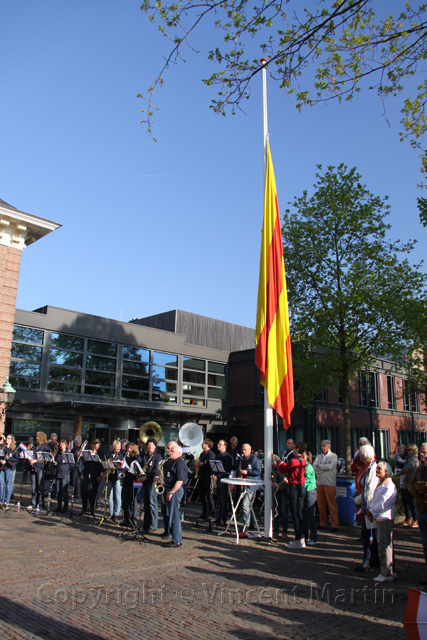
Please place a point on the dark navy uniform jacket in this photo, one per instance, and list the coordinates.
(205, 456)
(174, 471)
(12, 458)
(63, 468)
(153, 466)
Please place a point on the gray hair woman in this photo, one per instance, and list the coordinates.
(366, 482)
(383, 510)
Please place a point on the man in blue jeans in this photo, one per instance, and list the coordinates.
(175, 475)
(250, 470)
(418, 488)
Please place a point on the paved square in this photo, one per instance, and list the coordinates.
(63, 578)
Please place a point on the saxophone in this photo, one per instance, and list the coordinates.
(160, 483)
(145, 466)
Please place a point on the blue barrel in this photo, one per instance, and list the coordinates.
(345, 500)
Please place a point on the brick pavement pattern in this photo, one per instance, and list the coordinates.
(71, 579)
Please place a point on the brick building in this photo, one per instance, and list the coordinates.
(17, 230)
(380, 409)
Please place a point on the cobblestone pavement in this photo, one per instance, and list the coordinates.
(71, 579)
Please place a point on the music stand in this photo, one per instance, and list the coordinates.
(109, 468)
(217, 467)
(247, 486)
(88, 456)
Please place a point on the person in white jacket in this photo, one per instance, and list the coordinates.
(325, 468)
(366, 482)
(383, 510)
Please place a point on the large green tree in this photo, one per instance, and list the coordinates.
(353, 294)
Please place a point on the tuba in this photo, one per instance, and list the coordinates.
(150, 430)
(190, 434)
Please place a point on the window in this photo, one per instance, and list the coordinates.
(406, 396)
(26, 357)
(136, 373)
(382, 443)
(100, 373)
(368, 389)
(216, 380)
(391, 392)
(65, 363)
(102, 348)
(410, 437)
(410, 400)
(164, 378)
(328, 433)
(136, 354)
(322, 396)
(193, 381)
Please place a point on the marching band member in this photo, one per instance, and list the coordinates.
(128, 493)
(235, 452)
(64, 470)
(90, 476)
(175, 475)
(37, 471)
(250, 469)
(76, 450)
(114, 489)
(26, 461)
(54, 447)
(222, 489)
(53, 443)
(151, 461)
(163, 506)
(8, 469)
(204, 476)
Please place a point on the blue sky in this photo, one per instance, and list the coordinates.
(152, 226)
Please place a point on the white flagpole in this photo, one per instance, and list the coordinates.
(268, 410)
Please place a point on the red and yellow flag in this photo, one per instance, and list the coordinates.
(273, 354)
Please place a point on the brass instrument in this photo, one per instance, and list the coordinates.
(122, 472)
(214, 486)
(83, 447)
(135, 469)
(145, 466)
(196, 467)
(115, 459)
(190, 434)
(160, 483)
(150, 430)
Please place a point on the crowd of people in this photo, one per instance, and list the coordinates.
(137, 473)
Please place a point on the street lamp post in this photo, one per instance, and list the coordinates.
(7, 396)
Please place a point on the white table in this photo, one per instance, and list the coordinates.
(249, 488)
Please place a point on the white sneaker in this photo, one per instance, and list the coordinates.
(303, 543)
(382, 578)
(295, 544)
(313, 542)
